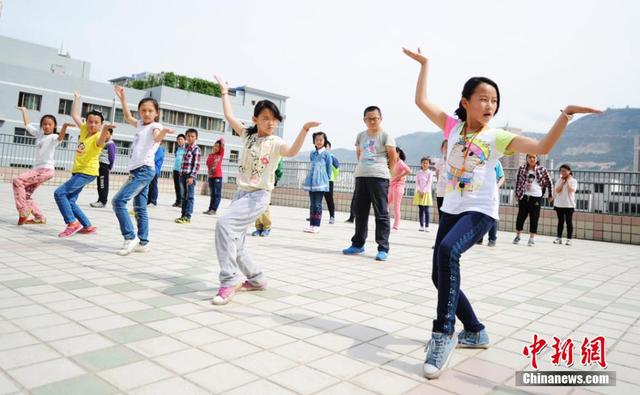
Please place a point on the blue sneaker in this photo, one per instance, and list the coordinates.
(265, 233)
(256, 232)
(439, 352)
(353, 250)
(382, 256)
(468, 339)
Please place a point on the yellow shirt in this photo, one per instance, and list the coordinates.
(87, 153)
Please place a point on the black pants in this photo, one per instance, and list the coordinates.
(103, 183)
(528, 206)
(372, 191)
(439, 201)
(178, 187)
(153, 191)
(328, 196)
(565, 214)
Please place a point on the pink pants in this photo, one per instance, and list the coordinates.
(396, 191)
(23, 187)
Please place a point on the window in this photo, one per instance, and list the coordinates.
(21, 136)
(231, 180)
(122, 147)
(192, 120)
(614, 207)
(106, 111)
(29, 100)
(598, 188)
(119, 115)
(582, 204)
(65, 106)
(233, 156)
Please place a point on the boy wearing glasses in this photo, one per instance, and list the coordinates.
(376, 155)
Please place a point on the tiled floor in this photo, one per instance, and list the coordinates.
(75, 318)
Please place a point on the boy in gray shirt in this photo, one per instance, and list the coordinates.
(376, 154)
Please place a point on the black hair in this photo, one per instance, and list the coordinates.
(443, 144)
(94, 113)
(401, 154)
(149, 100)
(566, 166)
(372, 108)
(425, 158)
(323, 134)
(328, 144)
(181, 135)
(257, 110)
(467, 91)
(191, 130)
(51, 117)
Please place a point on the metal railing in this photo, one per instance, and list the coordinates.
(611, 192)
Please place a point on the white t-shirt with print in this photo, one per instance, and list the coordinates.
(532, 187)
(471, 182)
(144, 147)
(259, 161)
(45, 148)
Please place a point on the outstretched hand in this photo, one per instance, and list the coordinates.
(309, 125)
(22, 109)
(119, 91)
(224, 87)
(417, 56)
(76, 95)
(167, 131)
(572, 109)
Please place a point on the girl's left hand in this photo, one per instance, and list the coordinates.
(309, 125)
(572, 109)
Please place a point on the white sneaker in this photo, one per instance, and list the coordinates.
(557, 241)
(426, 229)
(568, 242)
(142, 248)
(421, 229)
(128, 246)
(312, 229)
(531, 243)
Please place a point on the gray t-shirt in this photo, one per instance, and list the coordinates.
(373, 154)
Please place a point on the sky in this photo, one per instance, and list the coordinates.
(334, 58)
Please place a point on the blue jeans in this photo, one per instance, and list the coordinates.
(424, 215)
(136, 187)
(456, 234)
(66, 196)
(315, 208)
(153, 190)
(215, 190)
(188, 197)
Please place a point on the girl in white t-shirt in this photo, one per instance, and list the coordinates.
(43, 169)
(565, 202)
(260, 156)
(471, 200)
(148, 137)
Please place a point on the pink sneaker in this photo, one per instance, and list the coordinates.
(88, 230)
(248, 286)
(224, 295)
(71, 229)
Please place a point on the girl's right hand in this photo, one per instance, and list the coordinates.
(119, 90)
(108, 126)
(68, 125)
(21, 108)
(224, 87)
(76, 95)
(309, 125)
(417, 56)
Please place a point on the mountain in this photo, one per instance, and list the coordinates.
(593, 142)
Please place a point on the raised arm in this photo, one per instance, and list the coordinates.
(226, 107)
(25, 115)
(63, 131)
(530, 146)
(158, 134)
(128, 117)
(289, 151)
(75, 109)
(433, 112)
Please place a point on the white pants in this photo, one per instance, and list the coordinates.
(231, 230)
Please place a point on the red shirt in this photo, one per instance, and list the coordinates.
(214, 163)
